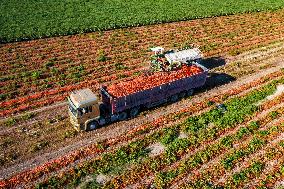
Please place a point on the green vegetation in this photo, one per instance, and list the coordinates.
(14, 120)
(198, 129)
(31, 19)
(255, 168)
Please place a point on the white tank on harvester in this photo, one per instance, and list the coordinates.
(184, 56)
(169, 60)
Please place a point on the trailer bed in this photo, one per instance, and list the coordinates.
(157, 94)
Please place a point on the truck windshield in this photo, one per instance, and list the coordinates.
(72, 108)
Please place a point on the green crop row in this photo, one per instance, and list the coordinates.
(30, 19)
(137, 152)
(275, 175)
(255, 144)
(210, 151)
(256, 165)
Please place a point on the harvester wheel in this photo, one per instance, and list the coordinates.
(122, 116)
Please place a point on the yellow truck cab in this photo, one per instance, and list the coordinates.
(84, 110)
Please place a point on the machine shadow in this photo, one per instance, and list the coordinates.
(214, 79)
(213, 62)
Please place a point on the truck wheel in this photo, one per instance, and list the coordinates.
(182, 94)
(134, 112)
(174, 98)
(122, 116)
(189, 92)
(92, 126)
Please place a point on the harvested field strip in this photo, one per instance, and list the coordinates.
(159, 122)
(85, 50)
(84, 54)
(186, 111)
(203, 104)
(52, 96)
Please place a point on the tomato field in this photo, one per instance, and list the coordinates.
(228, 134)
(42, 72)
(31, 19)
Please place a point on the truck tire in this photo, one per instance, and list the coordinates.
(189, 92)
(122, 116)
(134, 112)
(174, 98)
(92, 126)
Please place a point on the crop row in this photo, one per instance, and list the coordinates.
(135, 151)
(198, 159)
(257, 135)
(61, 162)
(48, 19)
(276, 174)
(88, 58)
(254, 169)
(251, 170)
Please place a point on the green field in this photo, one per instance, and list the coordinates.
(30, 19)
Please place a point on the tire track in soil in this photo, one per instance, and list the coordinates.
(119, 128)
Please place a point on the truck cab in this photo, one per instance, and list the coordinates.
(84, 110)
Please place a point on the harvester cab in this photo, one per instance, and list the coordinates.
(169, 60)
(83, 109)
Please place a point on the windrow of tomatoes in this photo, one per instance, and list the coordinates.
(215, 36)
(42, 98)
(61, 162)
(145, 82)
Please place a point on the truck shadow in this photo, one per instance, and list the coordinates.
(216, 80)
(213, 62)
